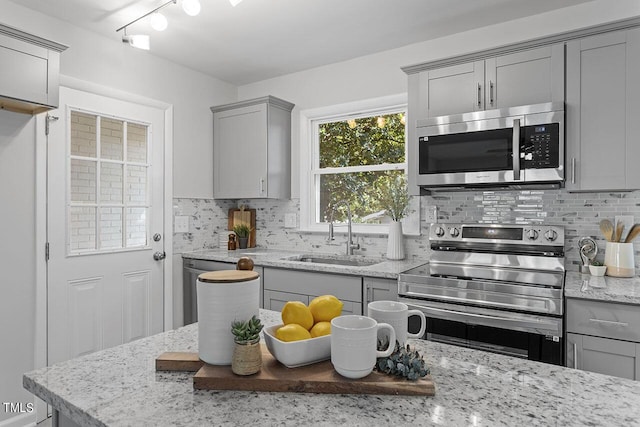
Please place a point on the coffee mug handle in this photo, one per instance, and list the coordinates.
(423, 323)
(392, 340)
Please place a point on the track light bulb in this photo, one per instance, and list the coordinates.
(140, 41)
(191, 7)
(158, 21)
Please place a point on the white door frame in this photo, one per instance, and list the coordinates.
(41, 212)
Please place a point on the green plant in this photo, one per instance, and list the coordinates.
(403, 362)
(596, 263)
(242, 230)
(394, 197)
(246, 331)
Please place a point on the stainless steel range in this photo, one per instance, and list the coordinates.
(492, 287)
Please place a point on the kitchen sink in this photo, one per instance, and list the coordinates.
(353, 262)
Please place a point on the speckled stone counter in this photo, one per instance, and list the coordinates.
(285, 259)
(119, 387)
(614, 289)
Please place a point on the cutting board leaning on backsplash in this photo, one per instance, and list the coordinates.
(245, 216)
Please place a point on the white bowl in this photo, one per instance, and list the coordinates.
(597, 270)
(297, 353)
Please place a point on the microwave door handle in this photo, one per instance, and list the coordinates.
(516, 149)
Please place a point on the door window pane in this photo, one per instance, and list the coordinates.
(136, 227)
(136, 184)
(83, 180)
(83, 134)
(136, 143)
(111, 139)
(111, 182)
(82, 235)
(110, 228)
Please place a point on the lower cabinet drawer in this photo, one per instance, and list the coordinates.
(603, 319)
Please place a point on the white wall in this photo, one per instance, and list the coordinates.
(380, 74)
(17, 250)
(106, 62)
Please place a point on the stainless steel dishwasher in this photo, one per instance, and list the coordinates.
(192, 268)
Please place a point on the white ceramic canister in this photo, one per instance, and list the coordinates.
(618, 257)
(224, 296)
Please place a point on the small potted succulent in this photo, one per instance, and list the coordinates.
(242, 231)
(247, 355)
(597, 269)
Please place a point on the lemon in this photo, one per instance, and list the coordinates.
(325, 307)
(297, 312)
(320, 329)
(292, 332)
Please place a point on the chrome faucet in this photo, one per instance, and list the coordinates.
(350, 245)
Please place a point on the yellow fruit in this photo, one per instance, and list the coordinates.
(320, 329)
(292, 332)
(325, 307)
(297, 312)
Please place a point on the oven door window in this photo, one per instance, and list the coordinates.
(480, 151)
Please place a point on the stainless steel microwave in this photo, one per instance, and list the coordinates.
(508, 147)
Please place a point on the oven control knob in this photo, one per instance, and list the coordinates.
(454, 232)
(551, 235)
(532, 234)
(439, 231)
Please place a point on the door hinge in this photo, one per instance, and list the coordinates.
(46, 251)
(48, 120)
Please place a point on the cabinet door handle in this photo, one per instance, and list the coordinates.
(573, 170)
(609, 322)
(575, 356)
(479, 95)
(491, 93)
(261, 185)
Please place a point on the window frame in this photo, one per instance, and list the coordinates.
(309, 162)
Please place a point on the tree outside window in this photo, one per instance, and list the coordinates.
(356, 158)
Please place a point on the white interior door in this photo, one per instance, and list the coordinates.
(104, 224)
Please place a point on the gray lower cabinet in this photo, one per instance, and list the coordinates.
(376, 289)
(602, 110)
(282, 285)
(604, 356)
(603, 337)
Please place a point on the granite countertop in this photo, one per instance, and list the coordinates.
(286, 259)
(613, 289)
(119, 387)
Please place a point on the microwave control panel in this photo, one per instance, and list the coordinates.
(541, 146)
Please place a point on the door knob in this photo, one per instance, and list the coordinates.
(159, 256)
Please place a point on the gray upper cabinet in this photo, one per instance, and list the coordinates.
(29, 75)
(526, 77)
(252, 149)
(603, 107)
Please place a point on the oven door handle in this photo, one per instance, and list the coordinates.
(487, 320)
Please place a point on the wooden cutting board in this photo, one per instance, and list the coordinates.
(317, 378)
(248, 217)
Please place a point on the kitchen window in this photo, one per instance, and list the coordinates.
(351, 151)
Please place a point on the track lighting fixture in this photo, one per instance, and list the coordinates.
(158, 22)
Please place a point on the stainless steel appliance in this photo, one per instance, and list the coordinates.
(511, 147)
(492, 287)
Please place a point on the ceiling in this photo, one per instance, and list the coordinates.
(261, 39)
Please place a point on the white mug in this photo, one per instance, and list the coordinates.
(353, 345)
(397, 315)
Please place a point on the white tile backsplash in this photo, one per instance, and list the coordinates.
(579, 213)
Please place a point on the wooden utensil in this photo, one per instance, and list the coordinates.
(606, 227)
(633, 233)
(619, 230)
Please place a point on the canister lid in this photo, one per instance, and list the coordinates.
(228, 276)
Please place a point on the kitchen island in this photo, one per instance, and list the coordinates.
(120, 387)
